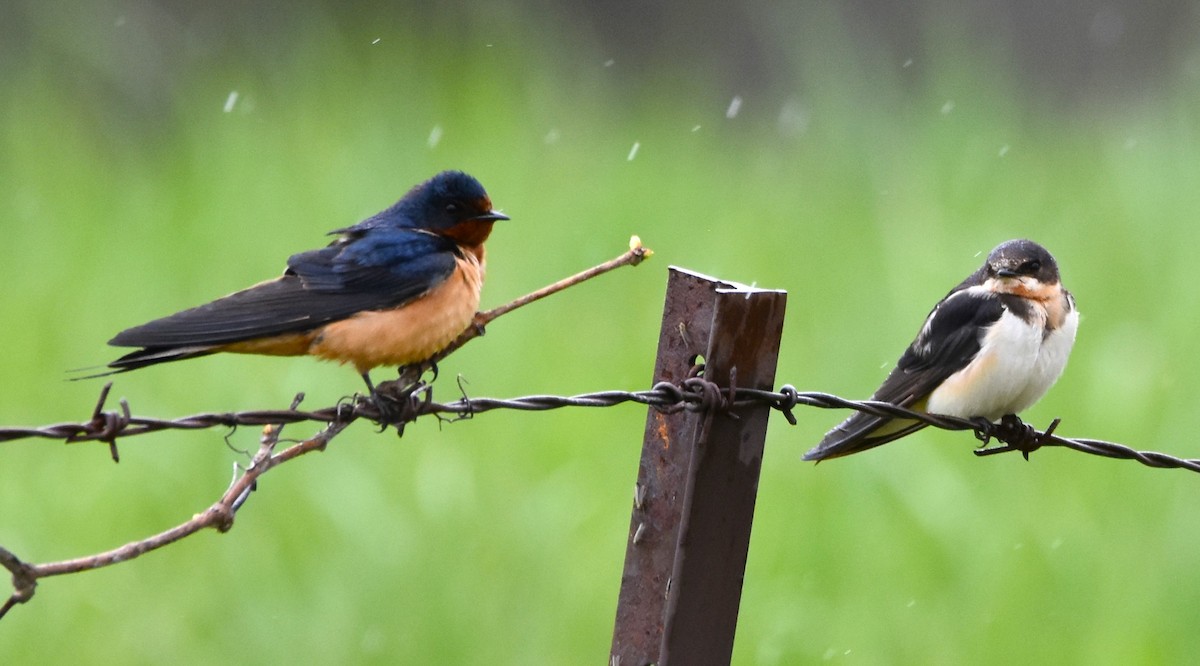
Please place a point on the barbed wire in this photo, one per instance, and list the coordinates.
(396, 407)
(400, 407)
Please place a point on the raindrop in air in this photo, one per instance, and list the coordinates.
(735, 105)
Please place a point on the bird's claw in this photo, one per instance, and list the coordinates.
(983, 430)
(410, 375)
(1014, 434)
(396, 404)
(399, 401)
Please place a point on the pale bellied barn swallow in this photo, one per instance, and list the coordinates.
(992, 347)
(394, 289)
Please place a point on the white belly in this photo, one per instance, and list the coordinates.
(1014, 368)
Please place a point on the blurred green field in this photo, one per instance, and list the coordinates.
(130, 190)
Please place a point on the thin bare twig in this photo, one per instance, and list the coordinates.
(636, 254)
(220, 516)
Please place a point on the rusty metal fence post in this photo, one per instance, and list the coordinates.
(698, 478)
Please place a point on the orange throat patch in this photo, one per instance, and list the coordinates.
(1053, 299)
(471, 234)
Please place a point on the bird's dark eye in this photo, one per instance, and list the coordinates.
(452, 208)
(1031, 266)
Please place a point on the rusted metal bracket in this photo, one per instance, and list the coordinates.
(694, 500)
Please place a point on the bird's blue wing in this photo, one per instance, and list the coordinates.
(398, 262)
(376, 270)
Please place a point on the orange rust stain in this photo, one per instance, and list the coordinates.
(661, 430)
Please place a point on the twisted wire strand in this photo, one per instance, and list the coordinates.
(692, 394)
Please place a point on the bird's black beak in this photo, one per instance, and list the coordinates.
(491, 215)
(1006, 273)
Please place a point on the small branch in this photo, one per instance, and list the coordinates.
(220, 516)
(24, 581)
(636, 255)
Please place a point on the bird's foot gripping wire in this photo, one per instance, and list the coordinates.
(413, 375)
(400, 401)
(1014, 435)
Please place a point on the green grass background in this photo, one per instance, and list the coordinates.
(127, 192)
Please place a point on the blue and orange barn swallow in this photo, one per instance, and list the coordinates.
(992, 347)
(394, 289)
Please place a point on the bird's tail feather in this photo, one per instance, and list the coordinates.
(844, 440)
(150, 356)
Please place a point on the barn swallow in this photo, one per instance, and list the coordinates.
(394, 289)
(992, 347)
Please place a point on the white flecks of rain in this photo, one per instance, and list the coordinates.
(1003, 150)
(551, 136)
(793, 118)
(695, 128)
(735, 105)
(375, 41)
(908, 63)
(633, 151)
(435, 136)
(610, 62)
(231, 100)
(948, 107)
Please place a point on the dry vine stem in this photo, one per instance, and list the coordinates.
(220, 515)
